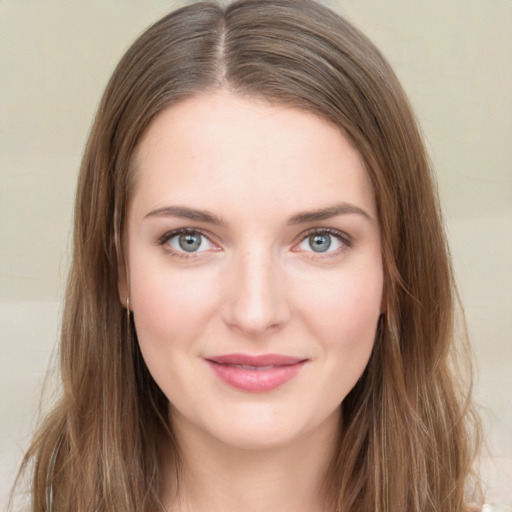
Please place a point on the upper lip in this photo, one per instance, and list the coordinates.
(258, 360)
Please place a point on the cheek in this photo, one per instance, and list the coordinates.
(345, 306)
(171, 310)
(170, 307)
(342, 314)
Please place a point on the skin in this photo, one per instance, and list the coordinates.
(255, 286)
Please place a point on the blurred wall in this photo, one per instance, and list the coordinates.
(454, 59)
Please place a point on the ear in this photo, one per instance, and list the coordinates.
(384, 300)
(122, 275)
(122, 286)
(383, 304)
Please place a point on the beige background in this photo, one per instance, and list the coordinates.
(454, 58)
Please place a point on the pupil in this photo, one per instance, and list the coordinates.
(190, 242)
(320, 243)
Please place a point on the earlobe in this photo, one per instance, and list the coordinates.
(122, 287)
(383, 300)
(383, 305)
(122, 276)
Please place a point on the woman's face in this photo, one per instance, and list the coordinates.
(255, 272)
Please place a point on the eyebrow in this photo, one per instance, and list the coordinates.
(184, 212)
(327, 213)
(208, 217)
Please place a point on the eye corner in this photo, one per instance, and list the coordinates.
(338, 242)
(172, 244)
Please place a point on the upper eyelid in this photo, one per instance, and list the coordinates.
(174, 232)
(345, 240)
(345, 237)
(184, 255)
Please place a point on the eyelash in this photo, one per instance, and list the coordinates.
(162, 241)
(343, 238)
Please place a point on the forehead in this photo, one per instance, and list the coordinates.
(224, 150)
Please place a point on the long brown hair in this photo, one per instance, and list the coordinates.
(409, 434)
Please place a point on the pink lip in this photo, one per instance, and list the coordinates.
(255, 373)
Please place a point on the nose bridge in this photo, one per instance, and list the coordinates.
(256, 298)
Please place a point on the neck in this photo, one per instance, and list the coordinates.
(215, 477)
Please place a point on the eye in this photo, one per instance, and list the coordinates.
(186, 241)
(323, 242)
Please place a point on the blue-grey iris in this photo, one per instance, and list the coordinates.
(189, 242)
(320, 243)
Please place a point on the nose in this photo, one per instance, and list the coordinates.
(255, 300)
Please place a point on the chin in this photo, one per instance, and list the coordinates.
(267, 427)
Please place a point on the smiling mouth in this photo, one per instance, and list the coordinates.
(248, 367)
(256, 374)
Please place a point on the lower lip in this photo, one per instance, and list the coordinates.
(256, 381)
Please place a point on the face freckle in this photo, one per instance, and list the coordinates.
(254, 262)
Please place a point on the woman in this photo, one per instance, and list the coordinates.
(260, 308)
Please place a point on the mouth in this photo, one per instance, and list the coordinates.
(256, 374)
